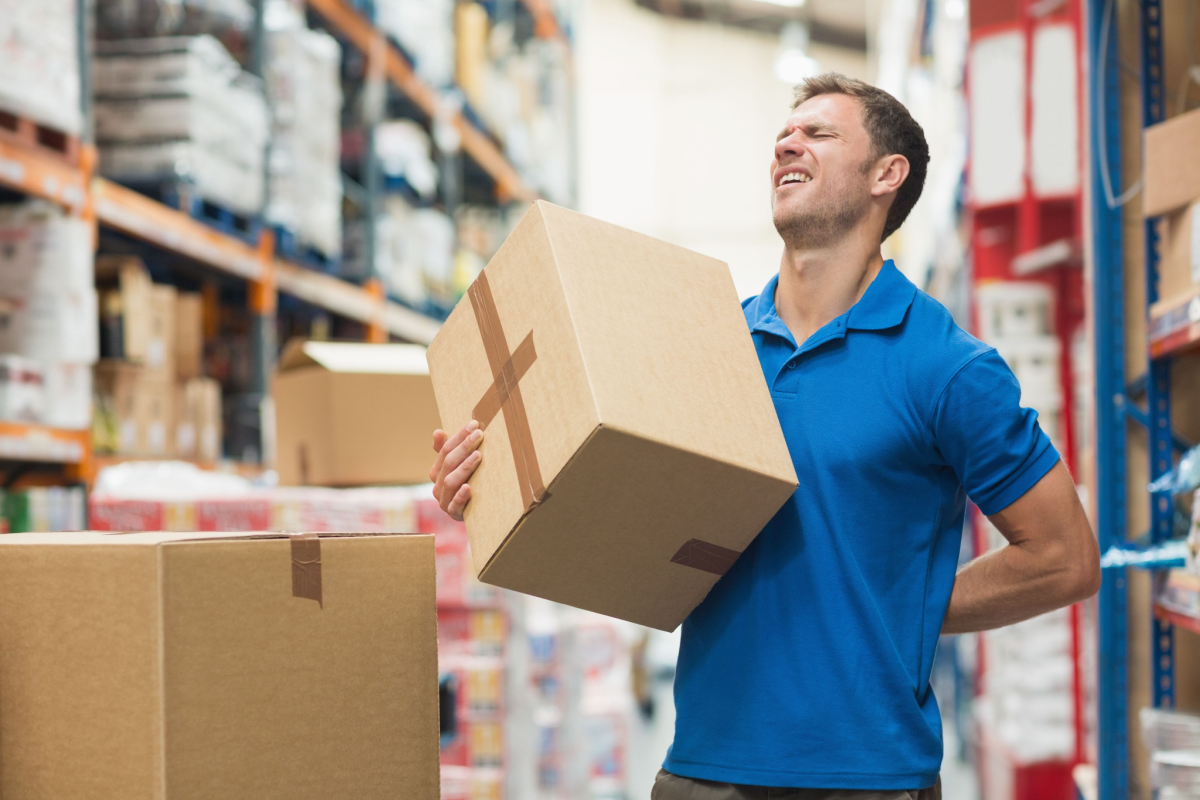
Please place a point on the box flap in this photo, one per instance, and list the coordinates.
(379, 359)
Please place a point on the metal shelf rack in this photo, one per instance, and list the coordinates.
(1171, 330)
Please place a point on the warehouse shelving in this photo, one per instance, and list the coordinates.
(358, 31)
(24, 442)
(1171, 330)
(129, 212)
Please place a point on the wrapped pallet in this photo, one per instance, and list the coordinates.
(39, 63)
(304, 88)
(180, 108)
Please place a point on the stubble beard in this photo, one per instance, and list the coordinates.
(818, 227)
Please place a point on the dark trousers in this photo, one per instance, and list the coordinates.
(674, 787)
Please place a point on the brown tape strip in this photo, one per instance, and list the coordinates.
(705, 556)
(505, 392)
(306, 567)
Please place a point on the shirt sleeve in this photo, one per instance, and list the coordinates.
(996, 448)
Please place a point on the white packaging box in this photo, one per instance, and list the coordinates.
(1014, 308)
(22, 396)
(169, 65)
(304, 85)
(39, 62)
(68, 395)
(215, 177)
(48, 306)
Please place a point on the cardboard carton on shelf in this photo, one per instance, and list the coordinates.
(218, 666)
(125, 288)
(141, 405)
(189, 335)
(350, 414)
(632, 448)
(198, 424)
(1172, 191)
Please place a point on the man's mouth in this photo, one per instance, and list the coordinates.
(793, 177)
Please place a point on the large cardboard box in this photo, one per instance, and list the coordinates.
(632, 448)
(350, 414)
(141, 403)
(195, 666)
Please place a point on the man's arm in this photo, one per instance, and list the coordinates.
(1051, 561)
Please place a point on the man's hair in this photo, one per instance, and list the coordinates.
(891, 129)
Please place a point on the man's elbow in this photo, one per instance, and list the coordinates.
(1082, 578)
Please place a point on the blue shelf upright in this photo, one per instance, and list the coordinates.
(1114, 409)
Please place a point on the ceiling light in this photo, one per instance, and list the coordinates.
(955, 9)
(793, 64)
(786, 3)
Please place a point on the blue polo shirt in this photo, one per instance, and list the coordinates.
(808, 664)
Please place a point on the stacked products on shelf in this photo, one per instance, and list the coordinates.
(43, 509)
(305, 97)
(39, 63)
(1027, 690)
(1027, 700)
(48, 316)
(229, 20)
(1016, 317)
(152, 398)
(1173, 740)
(180, 110)
(521, 93)
(424, 29)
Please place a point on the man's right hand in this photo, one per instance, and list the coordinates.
(457, 458)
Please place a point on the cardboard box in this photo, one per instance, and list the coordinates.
(142, 404)
(1172, 169)
(198, 425)
(353, 414)
(125, 288)
(218, 667)
(632, 449)
(1179, 249)
(189, 335)
(160, 347)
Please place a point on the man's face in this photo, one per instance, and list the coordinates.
(820, 173)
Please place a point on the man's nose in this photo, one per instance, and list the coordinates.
(790, 145)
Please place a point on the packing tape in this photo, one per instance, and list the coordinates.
(306, 567)
(504, 395)
(705, 556)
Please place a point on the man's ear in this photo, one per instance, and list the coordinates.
(889, 174)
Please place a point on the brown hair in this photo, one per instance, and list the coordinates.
(891, 129)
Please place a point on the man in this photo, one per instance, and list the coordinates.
(805, 672)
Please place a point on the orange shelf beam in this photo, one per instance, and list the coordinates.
(27, 442)
(363, 35)
(1177, 619)
(545, 24)
(42, 175)
(149, 220)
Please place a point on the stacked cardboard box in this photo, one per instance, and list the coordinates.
(152, 397)
(47, 316)
(180, 108)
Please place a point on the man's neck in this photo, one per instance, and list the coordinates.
(818, 285)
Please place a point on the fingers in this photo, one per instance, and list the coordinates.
(439, 441)
(459, 465)
(459, 502)
(448, 446)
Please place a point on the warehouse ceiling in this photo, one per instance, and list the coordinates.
(837, 23)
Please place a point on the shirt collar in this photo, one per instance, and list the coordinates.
(882, 306)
